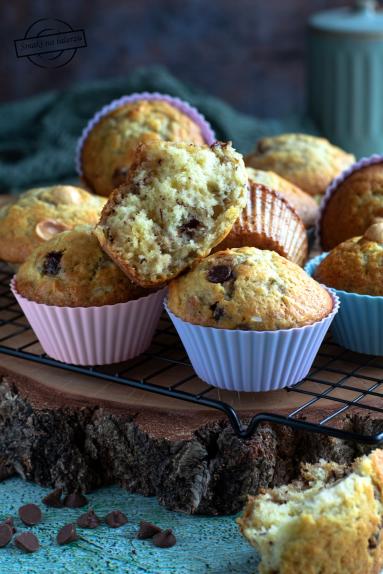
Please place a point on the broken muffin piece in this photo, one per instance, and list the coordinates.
(179, 201)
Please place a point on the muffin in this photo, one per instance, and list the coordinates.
(356, 265)
(107, 147)
(351, 204)
(268, 222)
(305, 205)
(307, 161)
(179, 201)
(245, 314)
(83, 309)
(248, 289)
(328, 521)
(39, 214)
(354, 269)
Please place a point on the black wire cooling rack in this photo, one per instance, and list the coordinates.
(339, 382)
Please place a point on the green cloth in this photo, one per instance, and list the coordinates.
(38, 135)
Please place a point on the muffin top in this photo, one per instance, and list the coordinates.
(356, 265)
(71, 270)
(352, 206)
(302, 202)
(40, 213)
(179, 201)
(109, 148)
(249, 289)
(309, 162)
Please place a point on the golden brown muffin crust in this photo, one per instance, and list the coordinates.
(307, 161)
(250, 289)
(356, 265)
(40, 213)
(353, 206)
(268, 222)
(109, 148)
(302, 202)
(71, 270)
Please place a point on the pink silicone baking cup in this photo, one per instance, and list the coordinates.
(94, 335)
(363, 162)
(206, 129)
(253, 361)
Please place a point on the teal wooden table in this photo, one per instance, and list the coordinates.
(204, 544)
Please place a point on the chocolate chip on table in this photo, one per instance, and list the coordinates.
(164, 539)
(219, 274)
(53, 499)
(30, 514)
(217, 311)
(9, 522)
(51, 264)
(6, 534)
(116, 518)
(27, 541)
(75, 500)
(89, 519)
(67, 534)
(189, 227)
(147, 530)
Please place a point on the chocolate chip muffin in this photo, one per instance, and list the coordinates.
(249, 289)
(305, 205)
(329, 521)
(71, 270)
(108, 150)
(307, 161)
(39, 214)
(352, 206)
(180, 200)
(356, 265)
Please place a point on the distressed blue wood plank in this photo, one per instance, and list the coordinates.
(209, 545)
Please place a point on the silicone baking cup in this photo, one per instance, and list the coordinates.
(252, 361)
(359, 324)
(269, 222)
(206, 129)
(364, 162)
(94, 335)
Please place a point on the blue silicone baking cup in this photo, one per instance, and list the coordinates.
(358, 326)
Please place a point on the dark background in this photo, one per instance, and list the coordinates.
(248, 52)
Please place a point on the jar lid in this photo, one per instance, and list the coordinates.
(363, 18)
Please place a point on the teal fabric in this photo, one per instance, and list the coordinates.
(205, 545)
(38, 135)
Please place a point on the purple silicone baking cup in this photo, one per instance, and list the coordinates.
(364, 162)
(206, 129)
(253, 361)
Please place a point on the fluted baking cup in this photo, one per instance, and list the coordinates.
(252, 361)
(359, 324)
(269, 222)
(93, 335)
(190, 111)
(363, 162)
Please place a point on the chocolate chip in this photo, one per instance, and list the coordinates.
(217, 311)
(75, 500)
(219, 274)
(189, 227)
(53, 499)
(5, 534)
(116, 518)
(30, 514)
(374, 540)
(67, 534)
(27, 541)
(119, 175)
(51, 264)
(9, 522)
(89, 519)
(147, 530)
(164, 539)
